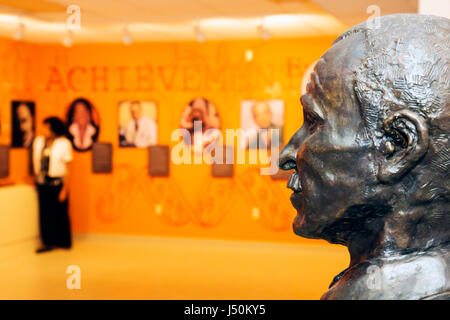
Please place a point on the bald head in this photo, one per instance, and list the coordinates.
(375, 135)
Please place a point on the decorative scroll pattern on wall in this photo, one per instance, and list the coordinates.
(269, 199)
(212, 202)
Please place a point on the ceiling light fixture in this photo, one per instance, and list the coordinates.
(126, 37)
(199, 35)
(19, 33)
(67, 40)
(263, 32)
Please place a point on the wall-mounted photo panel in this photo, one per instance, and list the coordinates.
(1, 126)
(282, 175)
(158, 161)
(83, 124)
(138, 124)
(257, 118)
(224, 169)
(30, 161)
(4, 161)
(201, 120)
(102, 161)
(23, 126)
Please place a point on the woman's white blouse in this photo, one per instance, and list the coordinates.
(60, 154)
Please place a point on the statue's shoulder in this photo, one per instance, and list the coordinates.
(439, 296)
(351, 284)
(413, 276)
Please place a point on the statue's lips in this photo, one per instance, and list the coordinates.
(296, 200)
(294, 185)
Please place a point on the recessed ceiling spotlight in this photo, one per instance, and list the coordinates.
(19, 33)
(67, 40)
(126, 37)
(263, 32)
(199, 35)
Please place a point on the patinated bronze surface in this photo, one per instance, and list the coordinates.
(372, 158)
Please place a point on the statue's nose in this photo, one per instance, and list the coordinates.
(287, 160)
(288, 156)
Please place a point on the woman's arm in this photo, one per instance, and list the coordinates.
(67, 158)
(63, 194)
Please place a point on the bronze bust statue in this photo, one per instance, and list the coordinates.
(372, 158)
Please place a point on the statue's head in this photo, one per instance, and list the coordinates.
(372, 156)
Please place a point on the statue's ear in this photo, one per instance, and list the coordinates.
(405, 142)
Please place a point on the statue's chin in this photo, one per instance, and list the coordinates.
(304, 229)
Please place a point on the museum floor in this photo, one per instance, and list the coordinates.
(116, 267)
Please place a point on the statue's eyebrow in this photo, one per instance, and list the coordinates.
(314, 84)
(310, 106)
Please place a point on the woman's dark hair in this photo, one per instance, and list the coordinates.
(57, 126)
(71, 111)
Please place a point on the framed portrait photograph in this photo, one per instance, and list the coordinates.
(202, 121)
(258, 117)
(83, 124)
(138, 124)
(23, 124)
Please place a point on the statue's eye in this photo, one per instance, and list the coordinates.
(312, 122)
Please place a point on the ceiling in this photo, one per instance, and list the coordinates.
(169, 20)
(352, 12)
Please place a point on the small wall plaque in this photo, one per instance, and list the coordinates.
(158, 161)
(102, 157)
(30, 161)
(4, 161)
(282, 175)
(224, 170)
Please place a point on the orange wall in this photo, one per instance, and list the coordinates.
(192, 203)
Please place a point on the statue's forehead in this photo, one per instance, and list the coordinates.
(336, 68)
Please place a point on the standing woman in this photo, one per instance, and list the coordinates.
(52, 153)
